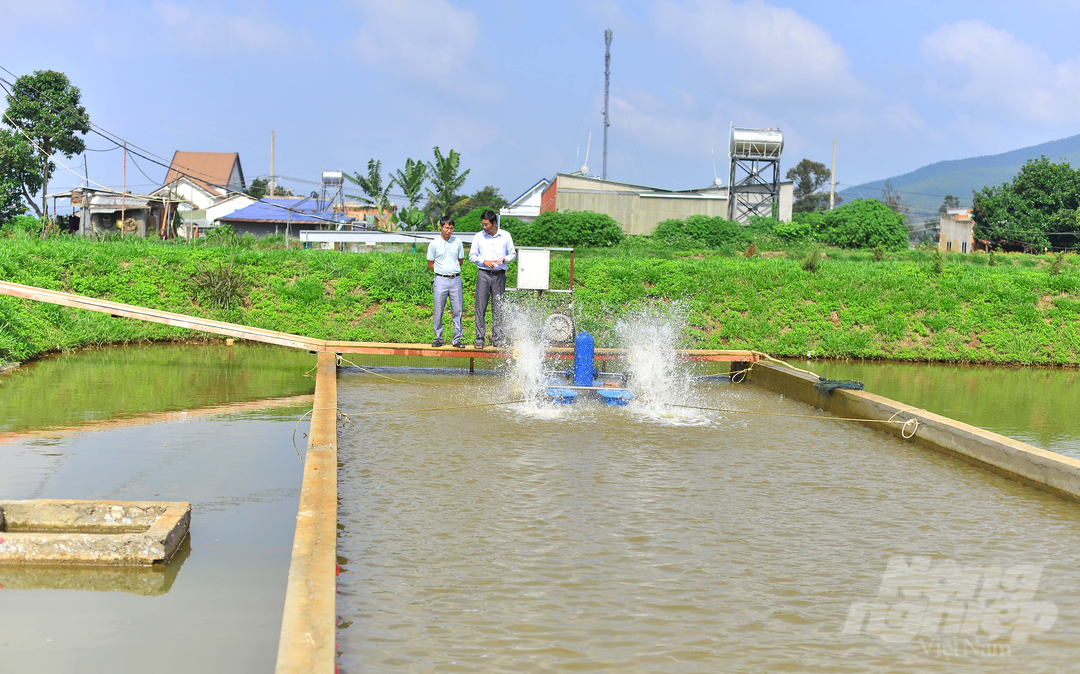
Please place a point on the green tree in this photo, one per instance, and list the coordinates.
(809, 178)
(1036, 210)
(45, 106)
(487, 198)
(18, 174)
(411, 180)
(375, 192)
(446, 179)
(949, 202)
(260, 187)
(865, 223)
(891, 198)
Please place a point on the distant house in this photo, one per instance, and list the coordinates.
(957, 231)
(227, 206)
(278, 215)
(203, 178)
(527, 206)
(639, 209)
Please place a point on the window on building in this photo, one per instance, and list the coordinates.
(963, 246)
(948, 245)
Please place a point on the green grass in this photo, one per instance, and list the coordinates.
(849, 307)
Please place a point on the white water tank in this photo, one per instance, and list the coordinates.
(332, 178)
(756, 143)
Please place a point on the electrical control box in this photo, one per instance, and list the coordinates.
(533, 267)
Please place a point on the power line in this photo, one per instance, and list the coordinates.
(120, 141)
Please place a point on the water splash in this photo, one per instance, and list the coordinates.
(524, 326)
(651, 338)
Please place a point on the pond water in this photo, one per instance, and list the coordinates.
(524, 538)
(1039, 405)
(207, 424)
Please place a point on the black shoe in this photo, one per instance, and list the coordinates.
(457, 344)
(437, 342)
(478, 344)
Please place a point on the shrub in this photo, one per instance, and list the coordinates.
(1057, 264)
(470, 222)
(865, 223)
(991, 259)
(813, 259)
(221, 286)
(701, 230)
(794, 231)
(938, 262)
(23, 223)
(879, 253)
(572, 229)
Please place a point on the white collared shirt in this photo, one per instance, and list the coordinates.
(486, 247)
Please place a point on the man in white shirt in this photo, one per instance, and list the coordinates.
(491, 250)
(445, 255)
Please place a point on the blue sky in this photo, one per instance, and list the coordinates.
(518, 87)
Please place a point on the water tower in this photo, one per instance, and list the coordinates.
(754, 185)
(333, 195)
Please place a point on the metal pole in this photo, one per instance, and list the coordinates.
(123, 193)
(832, 176)
(271, 163)
(607, 85)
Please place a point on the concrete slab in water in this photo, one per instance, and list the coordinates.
(114, 533)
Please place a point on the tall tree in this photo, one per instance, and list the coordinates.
(260, 187)
(46, 107)
(487, 197)
(411, 181)
(891, 198)
(446, 179)
(1036, 210)
(809, 178)
(375, 192)
(949, 202)
(18, 174)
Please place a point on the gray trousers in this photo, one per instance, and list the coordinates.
(444, 288)
(490, 285)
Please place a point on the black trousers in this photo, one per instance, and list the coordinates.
(490, 285)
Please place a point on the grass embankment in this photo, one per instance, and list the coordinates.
(1016, 311)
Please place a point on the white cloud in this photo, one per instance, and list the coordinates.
(761, 51)
(211, 32)
(990, 68)
(431, 40)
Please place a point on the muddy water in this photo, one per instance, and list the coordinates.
(521, 539)
(205, 424)
(1038, 405)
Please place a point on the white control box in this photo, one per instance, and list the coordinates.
(534, 266)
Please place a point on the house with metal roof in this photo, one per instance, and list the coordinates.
(285, 215)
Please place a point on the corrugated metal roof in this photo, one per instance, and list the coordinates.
(270, 210)
(114, 201)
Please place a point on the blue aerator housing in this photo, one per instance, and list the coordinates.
(584, 348)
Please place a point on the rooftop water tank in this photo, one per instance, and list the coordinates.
(333, 178)
(756, 143)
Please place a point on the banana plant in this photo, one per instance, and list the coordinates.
(411, 181)
(446, 180)
(375, 193)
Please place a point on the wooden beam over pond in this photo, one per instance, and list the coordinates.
(321, 345)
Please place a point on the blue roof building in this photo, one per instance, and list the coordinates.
(277, 214)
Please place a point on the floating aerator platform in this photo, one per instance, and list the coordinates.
(582, 379)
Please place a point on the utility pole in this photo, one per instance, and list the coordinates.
(123, 193)
(271, 163)
(832, 176)
(607, 85)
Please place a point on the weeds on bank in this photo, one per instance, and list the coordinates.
(897, 307)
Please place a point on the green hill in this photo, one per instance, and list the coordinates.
(923, 189)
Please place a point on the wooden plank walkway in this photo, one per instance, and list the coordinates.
(321, 345)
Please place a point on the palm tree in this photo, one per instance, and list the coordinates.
(447, 181)
(411, 181)
(375, 194)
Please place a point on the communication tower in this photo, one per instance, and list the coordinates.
(754, 184)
